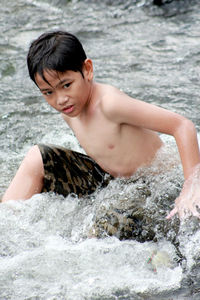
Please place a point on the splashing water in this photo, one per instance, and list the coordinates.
(48, 243)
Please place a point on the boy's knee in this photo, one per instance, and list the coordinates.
(33, 161)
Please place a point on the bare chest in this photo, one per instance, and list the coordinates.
(96, 136)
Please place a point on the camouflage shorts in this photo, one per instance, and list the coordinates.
(67, 171)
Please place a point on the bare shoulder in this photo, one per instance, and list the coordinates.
(109, 96)
(112, 100)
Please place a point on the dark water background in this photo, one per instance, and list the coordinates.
(153, 54)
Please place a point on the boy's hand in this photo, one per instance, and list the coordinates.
(188, 202)
(185, 209)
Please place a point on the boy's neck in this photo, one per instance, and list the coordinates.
(91, 100)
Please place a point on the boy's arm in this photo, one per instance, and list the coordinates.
(124, 109)
(189, 199)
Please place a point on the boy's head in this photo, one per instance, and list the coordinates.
(59, 51)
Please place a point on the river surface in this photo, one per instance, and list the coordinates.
(53, 247)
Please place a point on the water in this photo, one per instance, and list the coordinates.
(56, 248)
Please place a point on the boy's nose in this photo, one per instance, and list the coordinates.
(62, 99)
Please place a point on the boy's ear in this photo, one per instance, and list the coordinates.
(88, 69)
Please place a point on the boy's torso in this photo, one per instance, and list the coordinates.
(118, 148)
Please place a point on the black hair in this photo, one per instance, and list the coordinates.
(58, 50)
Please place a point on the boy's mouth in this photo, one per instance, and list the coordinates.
(68, 109)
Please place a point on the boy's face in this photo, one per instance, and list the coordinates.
(68, 92)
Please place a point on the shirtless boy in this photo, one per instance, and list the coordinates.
(118, 133)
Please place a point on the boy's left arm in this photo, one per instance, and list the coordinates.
(123, 109)
(188, 201)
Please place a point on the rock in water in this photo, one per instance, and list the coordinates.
(136, 223)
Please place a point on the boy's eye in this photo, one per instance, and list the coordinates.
(66, 85)
(48, 93)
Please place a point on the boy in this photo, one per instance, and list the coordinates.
(117, 132)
